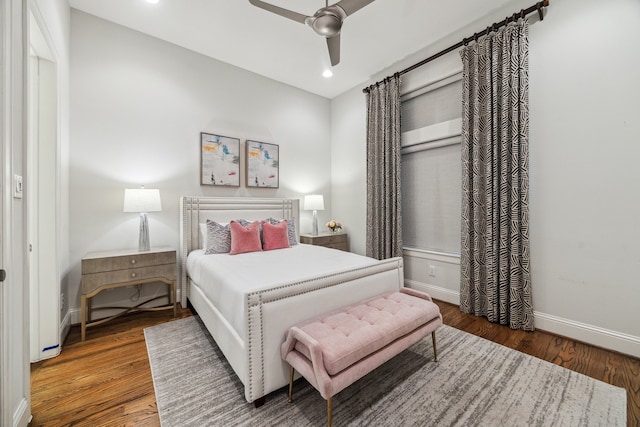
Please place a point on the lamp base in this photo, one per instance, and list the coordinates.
(314, 230)
(143, 239)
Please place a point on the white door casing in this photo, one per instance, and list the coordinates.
(42, 194)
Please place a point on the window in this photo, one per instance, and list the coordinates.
(431, 167)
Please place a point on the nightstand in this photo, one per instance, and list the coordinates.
(329, 240)
(115, 269)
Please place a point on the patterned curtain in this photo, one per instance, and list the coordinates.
(495, 274)
(384, 220)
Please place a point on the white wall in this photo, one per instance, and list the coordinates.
(348, 166)
(138, 105)
(585, 122)
(584, 128)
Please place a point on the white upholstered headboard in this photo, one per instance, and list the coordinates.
(195, 210)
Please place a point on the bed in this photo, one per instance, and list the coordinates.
(249, 306)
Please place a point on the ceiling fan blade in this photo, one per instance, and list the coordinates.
(295, 16)
(333, 43)
(352, 6)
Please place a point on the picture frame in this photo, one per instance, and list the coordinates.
(262, 164)
(219, 160)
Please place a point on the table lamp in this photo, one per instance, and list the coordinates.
(142, 200)
(315, 203)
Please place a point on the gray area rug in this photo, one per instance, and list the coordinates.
(475, 383)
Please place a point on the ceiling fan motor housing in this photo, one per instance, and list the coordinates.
(327, 21)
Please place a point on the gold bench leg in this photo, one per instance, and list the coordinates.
(290, 385)
(435, 352)
(329, 402)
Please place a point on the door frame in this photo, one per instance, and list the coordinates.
(43, 184)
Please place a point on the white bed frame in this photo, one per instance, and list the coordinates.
(271, 311)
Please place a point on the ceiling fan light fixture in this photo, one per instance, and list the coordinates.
(327, 73)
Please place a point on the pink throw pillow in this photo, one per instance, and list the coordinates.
(275, 236)
(243, 239)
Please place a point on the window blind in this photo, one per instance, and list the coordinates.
(431, 173)
(435, 106)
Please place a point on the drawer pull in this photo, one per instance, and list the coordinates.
(133, 261)
(133, 274)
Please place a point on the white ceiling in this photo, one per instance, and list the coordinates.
(234, 31)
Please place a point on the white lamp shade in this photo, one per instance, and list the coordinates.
(314, 202)
(142, 200)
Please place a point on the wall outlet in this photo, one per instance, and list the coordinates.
(432, 270)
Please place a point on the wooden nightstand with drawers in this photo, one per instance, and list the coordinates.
(115, 269)
(329, 240)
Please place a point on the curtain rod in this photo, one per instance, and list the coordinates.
(523, 12)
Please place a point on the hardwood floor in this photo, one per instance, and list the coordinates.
(106, 380)
(103, 381)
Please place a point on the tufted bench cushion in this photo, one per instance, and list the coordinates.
(352, 333)
(336, 349)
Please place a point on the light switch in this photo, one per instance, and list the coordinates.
(17, 186)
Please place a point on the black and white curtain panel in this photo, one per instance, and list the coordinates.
(384, 203)
(495, 273)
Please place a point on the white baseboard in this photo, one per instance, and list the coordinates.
(65, 326)
(601, 337)
(437, 292)
(22, 415)
(595, 335)
(75, 314)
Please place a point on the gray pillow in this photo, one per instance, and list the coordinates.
(218, 238)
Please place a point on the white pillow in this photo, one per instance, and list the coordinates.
(203, 235)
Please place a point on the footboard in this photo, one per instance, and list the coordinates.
(255, 356)
(271, 312)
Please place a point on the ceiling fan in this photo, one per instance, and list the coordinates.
(326, 22)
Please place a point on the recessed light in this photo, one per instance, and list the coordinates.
(153, 1)
(327, 73)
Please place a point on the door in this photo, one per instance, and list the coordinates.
(15, 400)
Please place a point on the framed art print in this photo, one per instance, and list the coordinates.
(263, 163)
(219, 160)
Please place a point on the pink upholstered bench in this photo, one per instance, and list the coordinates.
(334, 350)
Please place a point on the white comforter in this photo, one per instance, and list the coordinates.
(226, 279)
